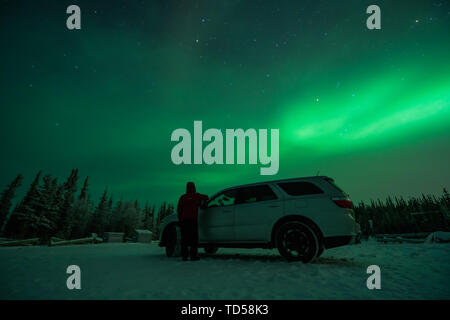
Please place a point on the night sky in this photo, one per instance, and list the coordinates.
(369, 108)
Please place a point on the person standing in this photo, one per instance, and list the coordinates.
(187, 211)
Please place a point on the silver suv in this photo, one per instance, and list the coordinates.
(300, 217)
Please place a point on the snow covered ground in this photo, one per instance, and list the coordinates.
(142, 271)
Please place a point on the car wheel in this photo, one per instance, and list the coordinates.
(296, 241)
(173, 246)
(211, 250)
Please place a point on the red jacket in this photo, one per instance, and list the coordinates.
(189, 203)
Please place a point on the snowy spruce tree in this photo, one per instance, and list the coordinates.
(79, 214)
(130, 218)
(78, 218)
(109, 215)
(6, 200)
(147, 219)
(67, 200)
(45, 211)
(116, 224)
(98, 220)
(19, 224)
(84, 191)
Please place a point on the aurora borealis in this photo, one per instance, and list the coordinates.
(369, 108)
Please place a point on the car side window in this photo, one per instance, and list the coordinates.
(255, 194)
(223, 199)
(300, 188)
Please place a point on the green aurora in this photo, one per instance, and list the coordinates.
(369, 108)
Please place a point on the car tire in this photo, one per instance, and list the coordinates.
(173, 246)
(296, 241)
(321, 250)
(211, 250)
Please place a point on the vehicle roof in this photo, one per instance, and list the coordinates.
(278, 181)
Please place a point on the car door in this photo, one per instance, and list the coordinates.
(257, 207)
(216, 221)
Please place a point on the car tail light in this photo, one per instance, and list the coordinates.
(343, 202)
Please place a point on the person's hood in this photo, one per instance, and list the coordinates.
(190, 187)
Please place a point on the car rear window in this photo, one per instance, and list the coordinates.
(300, 188)
(331, 181)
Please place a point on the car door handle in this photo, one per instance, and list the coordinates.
(274, 206)
(227, 210)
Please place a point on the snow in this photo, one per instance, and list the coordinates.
(142, 271)
(438, 236)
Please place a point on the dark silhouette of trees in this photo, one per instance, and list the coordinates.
(100, 215)
(130, 218)
(148, 216)
(84, 191)
(52, 209)
(116, 223)
(44, 212)
(422, 214)
(20, 222)
(68, 197)
(6, 199)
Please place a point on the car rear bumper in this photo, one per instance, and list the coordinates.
(333, 242)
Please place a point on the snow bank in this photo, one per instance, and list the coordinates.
(439, 237)
(142, 271)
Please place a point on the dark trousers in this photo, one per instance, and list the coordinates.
(189, 238)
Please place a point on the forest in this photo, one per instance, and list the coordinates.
(427, 213)
(57, 209)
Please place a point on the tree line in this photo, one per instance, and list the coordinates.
(56, 209)
(426, 213)
(50, 208)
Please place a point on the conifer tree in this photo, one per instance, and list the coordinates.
(145, 223)
(80, 213)
(84, 190)
(152, 217)
(68, 197)
(117, 217)
(79, 218)
(6, 199)
(130, 218)
(45, 210)
(109, 215)
(18, 224)
(97, 224)
(445, 199)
